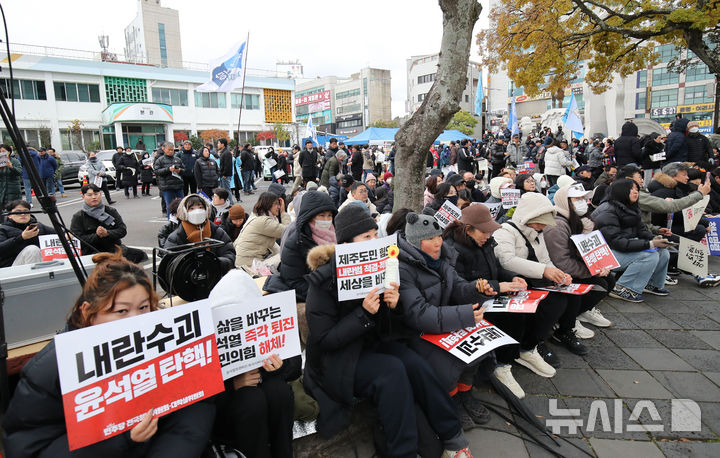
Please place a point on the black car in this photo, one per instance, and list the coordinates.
(72, 160)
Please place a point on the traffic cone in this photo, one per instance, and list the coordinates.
(32, 192)
(84, 180)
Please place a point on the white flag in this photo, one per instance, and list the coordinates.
(227, 71)
(310, 129)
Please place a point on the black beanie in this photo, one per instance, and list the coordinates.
(353, 220)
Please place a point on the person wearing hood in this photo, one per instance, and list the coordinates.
(540, 183)
(146, 174)
(653, 145)
(206, 172)
(699, 148)
(359, 349)
(10, 176)
(643, 258)
(261, 230)
(564, 180)
(521, 249)
(371, 183)
(557, 162)
(628, 149)
(19, 235)
(676, 149)
(95, 168)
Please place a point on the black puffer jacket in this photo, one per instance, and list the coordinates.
(146, 171)
(293, 259)
(206, 172)
(675, 145)
(12, 243)
(699, 148)
(84, 227)
(652, 147)
(165, 231)
(165, 178)
(34, 424)
(665, 187)
(225, 253)
(622, 227)
(628, 148)
(128, 167)
(479, 262)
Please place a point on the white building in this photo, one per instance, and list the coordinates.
(153, 37)
(421, 72)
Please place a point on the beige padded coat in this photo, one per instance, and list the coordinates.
(257, 238)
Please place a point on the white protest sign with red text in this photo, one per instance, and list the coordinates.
(249, 332)
(693, 214)
(510, 197)
(361, 267)
(469, 344)
(595, 251)
(111, 374)
(577, 289)
(523, 302)
(51, 248)
(448, 213)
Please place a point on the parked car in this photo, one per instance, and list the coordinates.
(72, 161)
(261, 151)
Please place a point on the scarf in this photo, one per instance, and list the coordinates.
(195, 233)
(323, 236)
(433, 264)
(99, 214)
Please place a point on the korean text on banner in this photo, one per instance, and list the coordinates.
(713, 237)
(51, 248)
(595, 251)
(693, 257)
(494, 208)
(692, 214)
(522, 302)
(448, 213)
(471, 343)
(510, 197)
(361, 267)
(98, 181)
(249, 332)
(111, 374)
(577, 289)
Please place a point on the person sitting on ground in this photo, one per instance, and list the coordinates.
(233, 221)
(643, 258)
(444, 192)
(172, 224)
(563, 180)
(100, 227)
(359, 192)
(220, 205)
(261, 230)
(195, 226)
(34, 423)
(370, 183)
(345, 183)
(383, 203)
(525, 183)
(19, 236)
(471, 184)
(356, 349)
(431, 184)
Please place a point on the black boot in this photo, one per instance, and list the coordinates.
(570, 341)
(474, 407)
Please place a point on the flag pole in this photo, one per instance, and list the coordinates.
(242, 91)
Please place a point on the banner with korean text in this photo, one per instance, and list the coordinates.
(469, 344)
(51, 248)
(522, 302)
(448, 213)
(510, 197)
(361, 267)
(595, 251)
(693, 214)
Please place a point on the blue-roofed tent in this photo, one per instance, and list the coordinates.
(451, 135)
(380, 134)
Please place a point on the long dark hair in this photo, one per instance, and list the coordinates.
(264, 204)
(575, 221)
(397, 221)
(620, 192)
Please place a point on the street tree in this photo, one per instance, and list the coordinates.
(463, 121)
(413, 140)
(213, 135)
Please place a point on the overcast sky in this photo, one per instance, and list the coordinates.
(329, 37)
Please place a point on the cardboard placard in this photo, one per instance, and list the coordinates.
(270, 163)
(595, 251)
(713, 237)
(577, 289)
(522, 302)
(111, 374)
(361, 267)
(510, 197)
(51, 248)
(469, 344)
(657, 157)
(98, 181)
(278, 173)
(249, 332)
(692, 214)
(494, 208)
(693, 257)
(448, 213)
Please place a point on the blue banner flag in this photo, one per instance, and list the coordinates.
(572, 120)
(227, 71)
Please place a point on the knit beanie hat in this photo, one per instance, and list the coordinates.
(277, 189)
(351, 221)
(311, 186)
(420, 227)
(236, 212)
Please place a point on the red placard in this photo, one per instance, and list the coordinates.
(573, 288)
(522, 302)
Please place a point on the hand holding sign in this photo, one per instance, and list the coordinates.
(146, 429)
(371, 303)
(692, 215)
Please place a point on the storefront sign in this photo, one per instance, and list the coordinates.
(697, 108)
(323, 96)
(137, 112)
(662, 111)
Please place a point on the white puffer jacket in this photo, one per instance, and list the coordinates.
(557, 161)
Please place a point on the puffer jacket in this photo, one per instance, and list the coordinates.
(128, 168)
(35, 157)
(473, 261)
(699, 148)
(497, 154)
(628, 148)
(146, 171)
(622, 227)
(595, 156)
(517, 152)
(557, 161)
(165, 231)
(675, 145)
(188, 157)
(206, 172)
(47, 166)
(165, 179)
(10, 182)
(663, 187)
(94, 169)
(331, 169)
(511, 249)
(434, 302)
(258, 237)
(651, 147)
(12, 243)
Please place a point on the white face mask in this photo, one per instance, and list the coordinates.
(197, 216)
(581, 207)
(323, 224)
(694, 130)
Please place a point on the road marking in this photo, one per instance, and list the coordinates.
(155, 198)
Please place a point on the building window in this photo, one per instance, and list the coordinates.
(421, 97)
(210, 100)
(426, 78)
(664, 98)
(120, 89)
(641, 100)
(662, 76)
(349, 108)
(354, 123)
(24, 89)
(467, 98)
(33, 137)
(77, 92)
(86, 139)
(346, 94)
(666, 52)
(697, 72)
(301, 110)
(696, 94)
(251, 101)
(163, 47)
(641, 79)
(176, 97)
(278, 105)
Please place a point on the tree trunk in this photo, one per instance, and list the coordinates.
(413, 140)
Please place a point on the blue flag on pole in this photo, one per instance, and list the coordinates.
(512, 120)
(479, 96)
(310, 131)
(227, 71)
(572, 120)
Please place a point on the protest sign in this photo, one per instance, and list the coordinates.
(713, 237)
(98, 181)
(469, 344)
(494, 208)
(448, 213)
(4, 159)
(522, 302)
(361, 267)
(270, 163)
(147, 161)
(111, 374)
(509, 197)
(692, 214)
(657, 157)
(250, 331)
(693, 257)
(595, 251)
(51, 248)
(577, 289)
(278, 173)
(526, 167)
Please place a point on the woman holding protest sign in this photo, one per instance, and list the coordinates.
(444, 192)
(34, 424)
(358, 349)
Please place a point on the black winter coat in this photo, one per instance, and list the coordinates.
(650, 148)
(699, 148)
(248, 160)
(356, 168)
(675, 145)
(628, 148)
(188, 157)
(225, 253)
(308, 162)
(128, 168)
(465, 160)
(165, 231)
(206, 173)
(84, 227)
(146, 171)
(476, 262)
(165, 179)
(622, 227)
(12, 243)
(226, 162)
(665, 187)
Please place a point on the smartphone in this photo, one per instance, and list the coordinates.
(32, 226)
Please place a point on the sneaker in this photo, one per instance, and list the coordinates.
(673, 271)
(548, 355)
(670, 281)
(504, 375)
(705, 282)
(570, 341)
(533, 361)
(477, 411)
(464, 453)
(582, 332)
(625, 294)
(465, 420)
(594, 317)
(650, 289)
(716, 277)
